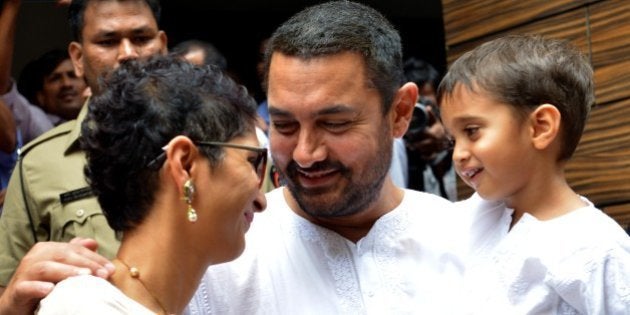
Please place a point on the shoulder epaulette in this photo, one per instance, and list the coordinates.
(58, 131)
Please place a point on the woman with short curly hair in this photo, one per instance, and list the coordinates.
(175, 164)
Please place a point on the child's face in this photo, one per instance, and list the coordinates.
(493, 150)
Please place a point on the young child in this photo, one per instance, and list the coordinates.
(516, 108)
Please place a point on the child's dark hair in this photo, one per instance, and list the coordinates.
(526, 71)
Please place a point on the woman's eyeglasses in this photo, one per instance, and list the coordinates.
(259, 163)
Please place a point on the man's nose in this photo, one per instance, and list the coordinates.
(66, 81)
(127, 50)
(309, 149)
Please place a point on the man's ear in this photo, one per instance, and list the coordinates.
(402, 108)
(545, 120)
(181, 153)
(39, 96)
(164, 39)
(75, 50)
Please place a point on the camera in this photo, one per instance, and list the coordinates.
(419, 119)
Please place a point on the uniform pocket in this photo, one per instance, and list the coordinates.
(83, 218)
(77, 218)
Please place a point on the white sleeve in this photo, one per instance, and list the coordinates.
(600, 284)
(30, 119)
(82, 295)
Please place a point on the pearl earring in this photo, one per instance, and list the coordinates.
(189, 190)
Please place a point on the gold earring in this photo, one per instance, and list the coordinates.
(189, 190)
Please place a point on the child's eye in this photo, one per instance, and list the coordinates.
(471, 131)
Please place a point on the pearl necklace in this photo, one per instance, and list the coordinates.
(134, 272)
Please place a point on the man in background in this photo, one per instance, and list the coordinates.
(428, 149)
(47, 198)
(8, 143)
(31, 121)
(200, 53)
(51, 83)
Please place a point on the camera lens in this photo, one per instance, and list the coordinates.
(419, 119)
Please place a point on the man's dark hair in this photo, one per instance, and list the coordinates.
(421, 72)
(143, 106)
(76, 13)
(34, 73)
(344, 26)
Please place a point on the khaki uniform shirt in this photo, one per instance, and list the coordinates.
(48, 184)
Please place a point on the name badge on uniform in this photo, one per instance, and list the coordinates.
(75, 195)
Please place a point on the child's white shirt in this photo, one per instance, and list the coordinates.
(578, 263)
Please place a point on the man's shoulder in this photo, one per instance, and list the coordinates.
(54, 138)
(430, 210)
(424, 199)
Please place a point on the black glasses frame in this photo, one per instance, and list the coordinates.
(260, 164)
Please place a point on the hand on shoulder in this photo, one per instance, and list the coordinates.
(47, 263)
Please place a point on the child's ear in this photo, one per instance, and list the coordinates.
(402, 108)
(545, 121)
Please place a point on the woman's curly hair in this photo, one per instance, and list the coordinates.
(144, 105)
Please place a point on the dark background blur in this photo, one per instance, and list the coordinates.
(236, 28)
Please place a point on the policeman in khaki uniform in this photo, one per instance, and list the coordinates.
(48, 198)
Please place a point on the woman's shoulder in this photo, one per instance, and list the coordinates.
(82, 286)
(86, 294)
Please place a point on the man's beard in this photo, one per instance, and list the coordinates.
(360, 192)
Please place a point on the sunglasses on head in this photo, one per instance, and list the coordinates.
(259, 163)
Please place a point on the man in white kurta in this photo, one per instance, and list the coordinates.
(341, 238)
(406, 264)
